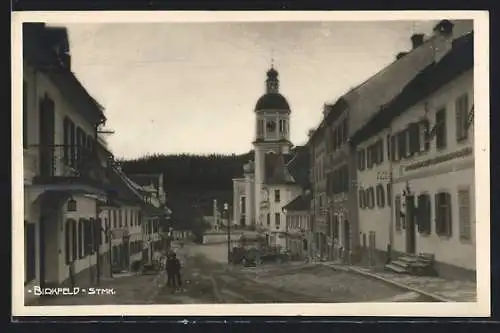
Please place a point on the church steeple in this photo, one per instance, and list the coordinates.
(272, 82)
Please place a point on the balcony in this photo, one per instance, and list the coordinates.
(66, 165)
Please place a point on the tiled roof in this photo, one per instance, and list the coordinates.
(275, 170)
(299, 166)
(430, 79)
(145, 179)
(300, 203)
(122, 192)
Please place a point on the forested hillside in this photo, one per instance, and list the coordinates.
(192, 181)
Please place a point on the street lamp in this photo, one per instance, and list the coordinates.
(226, 207)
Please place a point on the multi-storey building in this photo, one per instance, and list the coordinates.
(65, 180)
(353, 110)
(421, 143)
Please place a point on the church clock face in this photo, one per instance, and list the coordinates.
(271, 125)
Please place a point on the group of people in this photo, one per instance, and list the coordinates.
(171, 265)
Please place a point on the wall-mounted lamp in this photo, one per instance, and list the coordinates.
(71, 205)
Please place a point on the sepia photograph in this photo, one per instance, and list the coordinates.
(327, 162)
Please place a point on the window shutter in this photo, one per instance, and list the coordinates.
(81, 235)
(449, 225)
(389, 194)
(74, 240)
(459, 120)
(438, 213)
(388, 147)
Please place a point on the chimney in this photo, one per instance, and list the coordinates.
(401, 55)
(444, 27)
(417, 40)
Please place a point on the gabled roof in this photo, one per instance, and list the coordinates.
(120, 189)
(430, 79)
(299, 204)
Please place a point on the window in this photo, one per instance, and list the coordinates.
(277, 219)
(462, 111)
(443, 214)
(362, 203)
(268, 219)
(361, 160)
(67, 140)
(260, 128)
(380, 196)
(424, 214)
(81, 239)
(98, 232)
(371, 197)
(25, 114)
(388, 146)
(242, 204)
(30, 251)
(277, 195)
(282, 126)
(67, 241)
(394, 151)
(345, 128)
(369, 157)
(389, 195)
(464, 214)
(120, 222)
(424, 131)
(414, 138)
(441, 129)
(397, 212)
(401, 143)
(115, 218)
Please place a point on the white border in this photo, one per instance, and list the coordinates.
(481, 96)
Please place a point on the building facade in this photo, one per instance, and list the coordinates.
(299, 234)
(64, 179)
(426, 156)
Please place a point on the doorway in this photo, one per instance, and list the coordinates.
(410, 225)
(46, 136)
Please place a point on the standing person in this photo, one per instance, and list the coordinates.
(173, 272)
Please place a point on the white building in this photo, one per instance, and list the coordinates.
(267, 185)
(64, 178)
(429, 166)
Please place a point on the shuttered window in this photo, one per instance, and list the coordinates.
(424, 129)
(380, 196)
(362, 203)
(67, 140)
(389, 195)
(464, 214)
(81, 239)
(371, 197)
(443, 214)
(461, 112)
(441, 129)
(414, 136)
(424, 214)
(361, 160)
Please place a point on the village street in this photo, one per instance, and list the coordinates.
(208, 279)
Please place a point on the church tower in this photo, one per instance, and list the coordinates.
(272, 135)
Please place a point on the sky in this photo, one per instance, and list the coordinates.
(173, 88)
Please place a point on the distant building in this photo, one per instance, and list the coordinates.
(427, 135)
(267, 184)
(298, 225)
